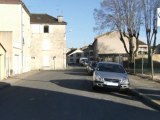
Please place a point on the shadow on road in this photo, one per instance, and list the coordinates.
(21, 103)
(86, 85)
(155, 94)
(3, 85)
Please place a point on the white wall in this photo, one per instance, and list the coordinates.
(50, 45)
(13, 17)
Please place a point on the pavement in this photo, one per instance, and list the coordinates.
(146, 89)
(142, 86)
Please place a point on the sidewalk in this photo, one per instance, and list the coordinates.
(13, 79)
(147, 89)
(7, 82)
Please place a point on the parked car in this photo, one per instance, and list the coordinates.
(83, 61)
(91, 67)
(110, 75)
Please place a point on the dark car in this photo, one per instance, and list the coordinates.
(91, 67)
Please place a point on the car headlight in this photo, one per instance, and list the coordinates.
(125, 81)
(98, 78)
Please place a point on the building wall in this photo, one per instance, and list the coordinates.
(26, 35)
(74, 58)
(6, 62)
(110, 43)
(48, 49)
(16, 20)
(11, 20)
(2, 63)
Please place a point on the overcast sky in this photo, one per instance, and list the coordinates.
(79, 16)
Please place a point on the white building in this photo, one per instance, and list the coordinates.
(29, 41)
(74, 55)
(48, 42)
(14, 37)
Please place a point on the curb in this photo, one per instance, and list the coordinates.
(147, 100)
(147, 77)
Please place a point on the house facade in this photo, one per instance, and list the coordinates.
(88, 52)
(29, 41)
(109, 47)
(48, 44)
(14, 37)
(157, 49)
(74, 55)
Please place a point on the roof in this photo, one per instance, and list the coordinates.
(72, 50)
(141, 42)
(10, 1)
(108, 33)
(104, 34)
(15, 2)
(45, 19)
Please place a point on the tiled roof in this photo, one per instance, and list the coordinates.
(45, 19)
(10, 1)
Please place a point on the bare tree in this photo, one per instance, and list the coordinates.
(121, 15)
(150, 22)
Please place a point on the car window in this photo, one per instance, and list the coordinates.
(110, 68)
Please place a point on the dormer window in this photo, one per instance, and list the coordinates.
(46, 29)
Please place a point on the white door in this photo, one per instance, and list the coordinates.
(16, 64)
(2, 67)
(46, 61)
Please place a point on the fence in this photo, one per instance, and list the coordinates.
(140, 65)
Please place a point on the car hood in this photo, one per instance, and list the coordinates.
(111, 75)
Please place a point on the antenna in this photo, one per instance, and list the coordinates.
(57, 10)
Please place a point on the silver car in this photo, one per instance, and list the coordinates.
(110, 75)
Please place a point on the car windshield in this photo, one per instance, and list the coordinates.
(110, 68)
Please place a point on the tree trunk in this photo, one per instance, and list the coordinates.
(131, 46)
(149, 58)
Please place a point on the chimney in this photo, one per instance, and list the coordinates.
(60, 18)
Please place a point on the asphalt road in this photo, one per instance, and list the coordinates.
(68, 95)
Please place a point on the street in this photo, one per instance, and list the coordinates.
(68, 95)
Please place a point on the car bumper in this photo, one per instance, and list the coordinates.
(110, 85)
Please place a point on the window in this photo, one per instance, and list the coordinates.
(46, 29)
(71, 60)
(78, 55)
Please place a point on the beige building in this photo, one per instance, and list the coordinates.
(74, 55)
(29, 41)
(48, 46)
(14, 37)
(109, 45)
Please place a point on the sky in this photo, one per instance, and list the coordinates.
(77, 13)
(79, 17)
